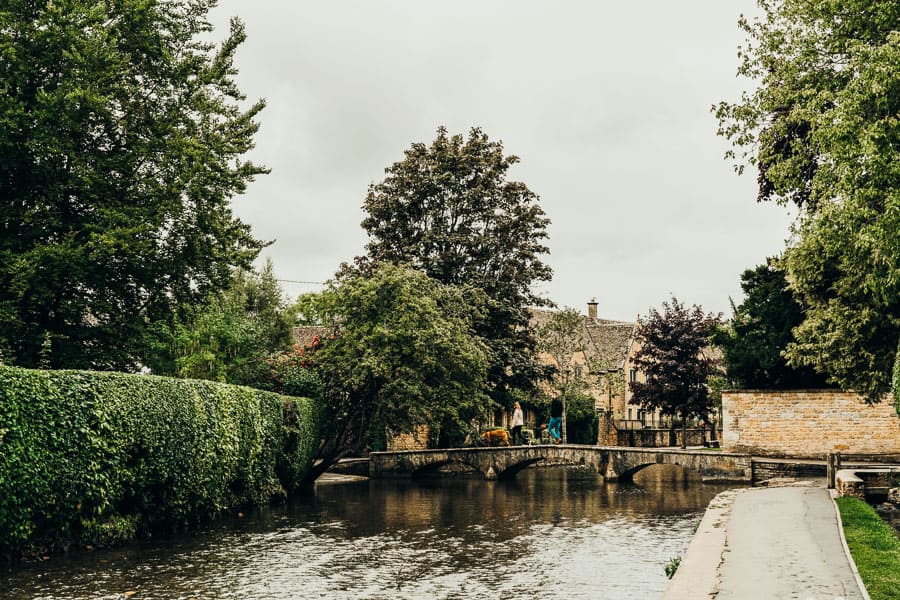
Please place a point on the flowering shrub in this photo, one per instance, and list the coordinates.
(293, 373)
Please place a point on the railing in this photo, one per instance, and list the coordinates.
(836, 460)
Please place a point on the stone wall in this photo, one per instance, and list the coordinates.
(807, 423)
(416, 440)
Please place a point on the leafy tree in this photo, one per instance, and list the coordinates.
(761, 329)
(673, 355)
(561, 337)
(449, 211)
(402, 354)
(822, 127)
(582, 417)
(232, 336)
(120, 148)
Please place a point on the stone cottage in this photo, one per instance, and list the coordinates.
(605, 366)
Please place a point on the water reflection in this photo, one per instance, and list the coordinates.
(552, 532)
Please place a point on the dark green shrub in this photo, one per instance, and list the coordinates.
(94, 458)
(581, 419)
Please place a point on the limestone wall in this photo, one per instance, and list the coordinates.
(807, 423)
(415, 440)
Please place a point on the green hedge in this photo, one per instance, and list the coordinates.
(94, 458)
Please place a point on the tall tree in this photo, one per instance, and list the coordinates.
(754, 341)
(674, 357)
(562, 336)
(823, 129)
(401, 353)
(448, 210)
(120, 148)
(232, 337)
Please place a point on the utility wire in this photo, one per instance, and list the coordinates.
(296, 281)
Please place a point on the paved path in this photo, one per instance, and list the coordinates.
(767, 543)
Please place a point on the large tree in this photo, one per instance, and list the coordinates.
(754, 341)
(120, 149)
(449, 211)
(823, 129)
(673, 355)
(401, 352)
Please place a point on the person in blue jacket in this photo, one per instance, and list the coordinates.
(554, 428)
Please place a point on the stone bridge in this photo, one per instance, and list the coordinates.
(612, 462)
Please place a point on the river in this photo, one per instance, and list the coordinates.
(551, 533)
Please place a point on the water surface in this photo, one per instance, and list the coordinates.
(551, 533)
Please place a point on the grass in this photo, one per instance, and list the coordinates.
(874, 546)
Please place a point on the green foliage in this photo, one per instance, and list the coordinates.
(561, 336)
(293, 374)
(754, 341)
(449, 211)
(874, 547)
(120, 149)
(581, 418)
(844, 267)
(231, 337)
(672, 567)
(95, 457)
(673, 357)
(823, 125)
(403, 354)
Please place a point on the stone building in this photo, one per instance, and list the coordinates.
(604, 366)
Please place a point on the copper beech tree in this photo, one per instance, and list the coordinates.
(675, 360)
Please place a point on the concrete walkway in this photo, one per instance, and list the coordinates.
(768, 543)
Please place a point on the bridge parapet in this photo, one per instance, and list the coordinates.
(712, 466)
(492, 463)
(612, 462)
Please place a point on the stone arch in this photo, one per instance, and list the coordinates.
(513, 469)
(433, 467)
(628, 474)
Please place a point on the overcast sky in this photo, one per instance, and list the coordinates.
(606, 104)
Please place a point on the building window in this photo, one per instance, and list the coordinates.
(632, 375)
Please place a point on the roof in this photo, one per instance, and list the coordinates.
(607, 341)
(305, 334)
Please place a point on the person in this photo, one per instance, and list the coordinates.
(518, 421)
(554, 428)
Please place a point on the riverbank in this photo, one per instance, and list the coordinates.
(769, 542)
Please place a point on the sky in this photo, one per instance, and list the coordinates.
(607, 105)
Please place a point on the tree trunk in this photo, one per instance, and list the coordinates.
(683, 431)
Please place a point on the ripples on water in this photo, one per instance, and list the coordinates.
(552, 533)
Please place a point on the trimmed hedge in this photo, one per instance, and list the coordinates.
(95, 458)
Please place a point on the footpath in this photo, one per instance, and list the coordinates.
(768, 543)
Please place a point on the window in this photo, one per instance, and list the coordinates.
(632, 376)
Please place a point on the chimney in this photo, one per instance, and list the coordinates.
(592, 309)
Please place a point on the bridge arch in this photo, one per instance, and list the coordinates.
(512, 470)
(628, 474)
(433, 467)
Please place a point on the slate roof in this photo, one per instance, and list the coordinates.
(607, 341)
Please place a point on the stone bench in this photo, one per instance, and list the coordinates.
(860, 483)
